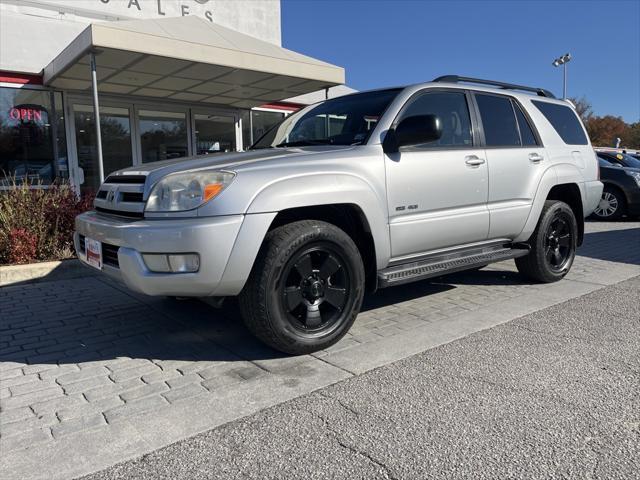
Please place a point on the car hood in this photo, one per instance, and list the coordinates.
(225, 161)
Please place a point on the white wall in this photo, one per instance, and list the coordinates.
(33, 32)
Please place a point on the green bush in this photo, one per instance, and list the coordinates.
(37, 223)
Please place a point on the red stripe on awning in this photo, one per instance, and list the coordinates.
(290, 107)
(20, 78)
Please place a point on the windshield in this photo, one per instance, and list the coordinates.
(630, 161)
(345, 120)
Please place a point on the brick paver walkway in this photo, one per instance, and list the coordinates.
(84, 361)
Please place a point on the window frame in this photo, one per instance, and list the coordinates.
(514, 104)
(475, 138)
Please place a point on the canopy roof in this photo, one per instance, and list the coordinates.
(188, 59)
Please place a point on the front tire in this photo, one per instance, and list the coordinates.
(553, 244)
(305, 289)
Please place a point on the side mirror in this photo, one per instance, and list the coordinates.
(414, 130)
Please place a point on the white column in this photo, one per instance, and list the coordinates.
(96, 112)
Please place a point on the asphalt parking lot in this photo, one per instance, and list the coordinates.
(92, 375)
(554, 394)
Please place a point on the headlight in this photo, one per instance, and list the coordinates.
(636, 176)
(185, 191)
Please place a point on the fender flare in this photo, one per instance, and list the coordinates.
(558, 174)
(297, 192)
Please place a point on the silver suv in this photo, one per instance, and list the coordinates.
(356, 193)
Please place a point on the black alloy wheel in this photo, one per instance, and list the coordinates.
(552, 245)
(305, 289)
(315, 289)
(558, 242)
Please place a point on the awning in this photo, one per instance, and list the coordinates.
(187, 59)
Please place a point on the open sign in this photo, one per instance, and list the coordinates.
(26, 114)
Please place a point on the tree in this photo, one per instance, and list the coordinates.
(603, 131)
(632, 136)
(583, 107)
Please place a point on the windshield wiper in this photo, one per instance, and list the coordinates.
(304, 143)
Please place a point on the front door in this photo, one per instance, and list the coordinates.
(437, 192)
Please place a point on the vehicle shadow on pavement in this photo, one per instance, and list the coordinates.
(621, 246)
(86, 320)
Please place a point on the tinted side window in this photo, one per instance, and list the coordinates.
(452, 109)
(498, 121)
(526, 133)
(564, 121)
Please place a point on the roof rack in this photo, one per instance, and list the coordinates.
(508, 86)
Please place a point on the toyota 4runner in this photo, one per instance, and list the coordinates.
(360, 192)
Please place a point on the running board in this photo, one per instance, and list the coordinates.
(434, 267)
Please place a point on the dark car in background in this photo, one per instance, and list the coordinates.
(620, 174)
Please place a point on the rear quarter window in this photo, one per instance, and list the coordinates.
(565, 122)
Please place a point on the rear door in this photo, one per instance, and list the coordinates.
(516, 161)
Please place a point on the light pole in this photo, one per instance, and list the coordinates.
(563, 60)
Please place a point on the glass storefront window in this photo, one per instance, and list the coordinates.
(115, 128)
(261, 122)
(214, 134)
(32, 139)
(163, 135)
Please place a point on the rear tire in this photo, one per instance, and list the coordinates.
(553, 244)
(305, 289)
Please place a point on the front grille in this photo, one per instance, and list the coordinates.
(128, 179)
(122, 195)
(81, 241)
(131, 196)
(110, 255)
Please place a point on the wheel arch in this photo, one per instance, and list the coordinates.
(343, 199)
(350, 218)
(570, 194)
(561, 182)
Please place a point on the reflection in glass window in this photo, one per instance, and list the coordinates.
(163, 135)
(261, 122)
(245, 118)
(451, 108)
(116, 142)
(564, 120)
(32, 142)
(215, 134)
(498, 121)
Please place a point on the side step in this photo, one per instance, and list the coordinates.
(434, 267)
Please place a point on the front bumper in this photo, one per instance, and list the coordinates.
(212, 238)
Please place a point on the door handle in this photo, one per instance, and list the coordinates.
(473, 161)
(535, 157)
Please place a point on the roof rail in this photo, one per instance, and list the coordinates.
(508, 86)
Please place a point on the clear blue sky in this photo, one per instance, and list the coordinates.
(396, 42)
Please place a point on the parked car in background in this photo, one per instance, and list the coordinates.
(621, 194)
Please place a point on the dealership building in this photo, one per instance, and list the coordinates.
(170, 78)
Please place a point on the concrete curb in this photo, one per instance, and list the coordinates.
(42, 272)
